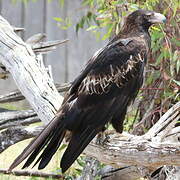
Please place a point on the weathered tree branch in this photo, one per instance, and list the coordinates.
(17, 96)
(123, 150)
(31, 78)
(148, 149)
(135, 152)
(11, 97)
(165, 125)
(124, 173)
(14, 135)
(14, 118)
(29, 173)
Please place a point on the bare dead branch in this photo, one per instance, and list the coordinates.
(17, 96)
(32, 174)
(13, 118)
(124, 173)
(137, 151)
(14, 135)
(11, 97)
(165, 124)
(39, 46)
(120, 150)
(36, 39)
(18, 29)
(44, 47)
(31, 78)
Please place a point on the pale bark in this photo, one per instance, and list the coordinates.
(126, 149)
(30, 76)
(124, 173)
(33, 174)
(17, 95)
(15, 118)
(135, 151)
(14, 135)
(150, 150)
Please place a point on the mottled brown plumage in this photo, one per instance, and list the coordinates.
(100, 94)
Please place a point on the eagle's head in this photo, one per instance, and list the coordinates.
(144, 18)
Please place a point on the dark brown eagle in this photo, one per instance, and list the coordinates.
(100, 94)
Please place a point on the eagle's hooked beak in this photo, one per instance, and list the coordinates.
(157, 18)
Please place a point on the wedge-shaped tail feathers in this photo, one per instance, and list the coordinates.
(49, 141)
(37, 144)
(76, 145)
(54, 141)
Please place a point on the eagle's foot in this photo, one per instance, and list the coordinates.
(103, 137)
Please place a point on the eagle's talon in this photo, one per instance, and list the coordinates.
(102, 138)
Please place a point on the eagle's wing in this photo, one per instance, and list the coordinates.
(111, 67)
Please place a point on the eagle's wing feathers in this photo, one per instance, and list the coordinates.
(113, 66)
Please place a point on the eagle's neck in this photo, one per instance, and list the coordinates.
(133, 30)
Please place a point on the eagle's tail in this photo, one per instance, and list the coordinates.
(77, 144)
(51, 137)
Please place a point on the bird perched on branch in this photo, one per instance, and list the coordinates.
(100, 94)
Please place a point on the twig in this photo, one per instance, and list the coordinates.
(44, 47)
(14, 135)
(13, 118)
(90, 169)
(148, 112)
(17, 96)
(32, 174)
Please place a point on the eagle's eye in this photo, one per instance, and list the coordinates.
(148, 15)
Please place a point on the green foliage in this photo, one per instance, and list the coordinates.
(86, 20)
(61, 2)
(10, 106)
(63, 23)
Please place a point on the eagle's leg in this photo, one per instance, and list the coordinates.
(103, 137)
